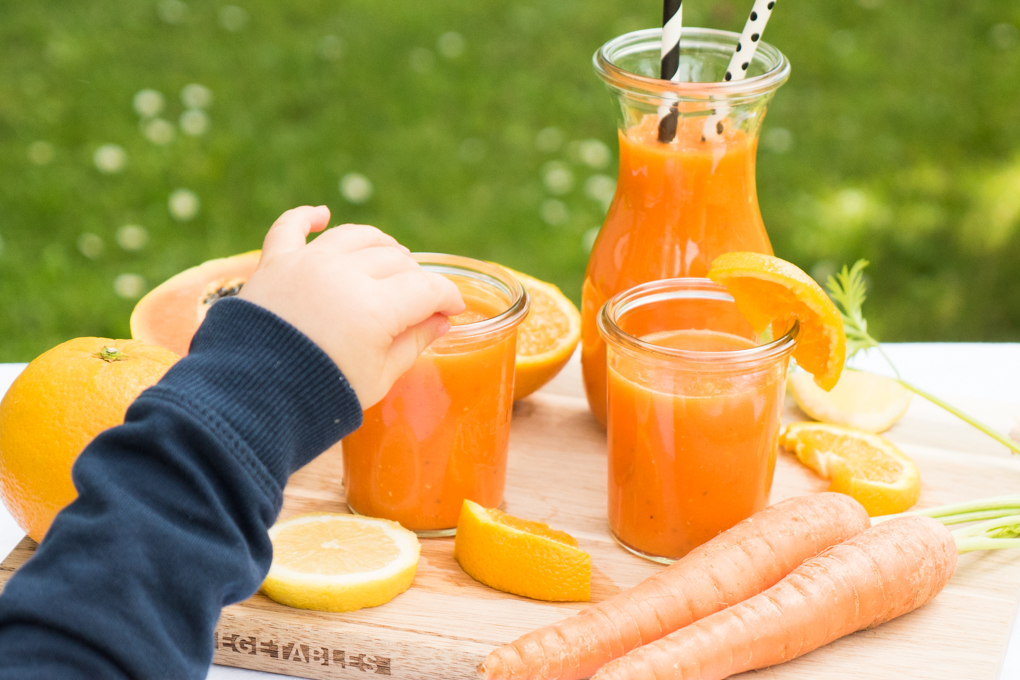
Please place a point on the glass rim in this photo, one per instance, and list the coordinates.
(492, 274)
(650, 39)
(682, 288)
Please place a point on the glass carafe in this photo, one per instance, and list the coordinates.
(680, 203)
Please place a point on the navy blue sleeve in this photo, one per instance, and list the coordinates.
(173, 508)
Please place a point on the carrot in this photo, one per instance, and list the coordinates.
(735, 565)
(877, 575)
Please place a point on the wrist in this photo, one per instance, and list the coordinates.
(277, 390)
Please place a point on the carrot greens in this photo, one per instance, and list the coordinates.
(998, 522)
(849, 291)
(994, 534)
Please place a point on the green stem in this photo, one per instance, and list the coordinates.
(886, 357)
(994, 434)
(969, 511)
(1001, 527)
(996, 534)
(1000, 530)
(966, 545)
(979, 516)
(961, 518)
(111, 354)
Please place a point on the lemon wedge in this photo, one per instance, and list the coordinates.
(339, 563)
(867, 467)
(520, 556)
(864, 401)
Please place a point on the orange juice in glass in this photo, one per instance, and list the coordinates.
(678, 203)
(694, 409)
(440, 435)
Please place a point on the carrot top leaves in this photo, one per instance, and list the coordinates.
(998, 520)
(848, 290)
(968, 511)
(995, 534)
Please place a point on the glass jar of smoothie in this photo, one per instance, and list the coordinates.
(441, 433)
(694, 410)
(681, 203)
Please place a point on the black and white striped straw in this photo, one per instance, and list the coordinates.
(669, 68)
(672, 20)
(747, 45)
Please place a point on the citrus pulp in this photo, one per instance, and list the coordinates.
(520, 556)
(546, 338)
(772, 292)
(865, 466)
(334, 562)
(865, 401)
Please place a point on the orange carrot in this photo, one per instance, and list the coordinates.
(735, 565)
(872, 578)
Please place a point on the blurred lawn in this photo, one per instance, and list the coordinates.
(897, 139)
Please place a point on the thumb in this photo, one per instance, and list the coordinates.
(408, 345)
(290, 231)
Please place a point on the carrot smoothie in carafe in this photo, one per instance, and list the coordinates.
(678, 203)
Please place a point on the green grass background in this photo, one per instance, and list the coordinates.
(901, 143)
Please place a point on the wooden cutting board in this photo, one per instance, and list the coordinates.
(446, 623)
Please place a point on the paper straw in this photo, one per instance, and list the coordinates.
(669, 66)
(747, 45)
(672, 19)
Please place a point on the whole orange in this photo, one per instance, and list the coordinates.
(58, 404)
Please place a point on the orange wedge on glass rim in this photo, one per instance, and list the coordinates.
(772, 292)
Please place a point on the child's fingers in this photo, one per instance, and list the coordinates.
(347, 238)
(290, 231)
(384, 261)
(416, 295)
(408, 345)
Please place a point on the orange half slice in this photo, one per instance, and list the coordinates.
(769, 291)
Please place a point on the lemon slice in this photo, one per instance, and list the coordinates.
(770, 291)
(520, 556)
(546, 338)
(861, 400)
(865, 466)
(339, 563)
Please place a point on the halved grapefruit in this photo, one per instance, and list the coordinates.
(171, 312)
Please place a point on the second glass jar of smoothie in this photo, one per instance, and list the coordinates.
(695, 404)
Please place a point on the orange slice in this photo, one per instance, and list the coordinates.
(339, 563)
(769, 291)
(520, 556)
(546, 338)
(865, 466)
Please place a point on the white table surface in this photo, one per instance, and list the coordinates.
(987, 372)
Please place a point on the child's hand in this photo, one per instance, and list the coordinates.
(356, 293)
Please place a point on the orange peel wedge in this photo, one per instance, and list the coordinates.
(772, 292)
